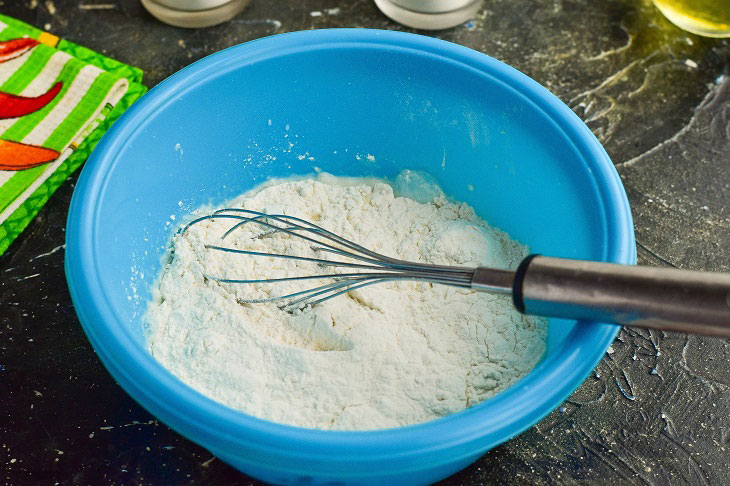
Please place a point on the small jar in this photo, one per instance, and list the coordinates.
(710, 18)
(194, 13)
(430, 14)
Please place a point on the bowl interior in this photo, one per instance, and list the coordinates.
(348, 110)
(358, 103)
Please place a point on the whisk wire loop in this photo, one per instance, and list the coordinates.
(375, 267)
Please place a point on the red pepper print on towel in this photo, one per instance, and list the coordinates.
(16, 155)
(13, 106)
(16, 47)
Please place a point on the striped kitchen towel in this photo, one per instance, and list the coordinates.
(56, 101)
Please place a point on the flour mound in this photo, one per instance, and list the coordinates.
(386, 355)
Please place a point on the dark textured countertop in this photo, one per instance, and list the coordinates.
(657, 409)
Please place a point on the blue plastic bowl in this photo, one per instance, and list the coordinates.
(285, 104)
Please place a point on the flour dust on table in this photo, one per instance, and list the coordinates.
(386, 355)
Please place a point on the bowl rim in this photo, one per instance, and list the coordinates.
(469, 432)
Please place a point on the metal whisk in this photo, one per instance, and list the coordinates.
(661, 298)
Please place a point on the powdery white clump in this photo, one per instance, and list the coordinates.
(382, 356)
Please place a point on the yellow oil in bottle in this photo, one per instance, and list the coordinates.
(703, 17)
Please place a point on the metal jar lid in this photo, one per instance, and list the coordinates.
(191, 4)
(430, 14)
(194, 13)
(432, 6)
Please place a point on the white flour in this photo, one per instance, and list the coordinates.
(387, 355)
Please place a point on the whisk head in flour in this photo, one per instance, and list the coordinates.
(344, 264)
(670, 299)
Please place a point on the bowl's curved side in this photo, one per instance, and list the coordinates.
(282, 453)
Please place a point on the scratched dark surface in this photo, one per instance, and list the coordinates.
(657, 409)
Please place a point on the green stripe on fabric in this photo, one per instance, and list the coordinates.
(20, 27)
(107, 64)
(79, 116)
(15, 186)
(9, 32)
(24, 125)
(37, 60)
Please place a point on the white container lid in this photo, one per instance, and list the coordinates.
(194, 18)
(429, 20)
(432, 6)
(191, 4)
